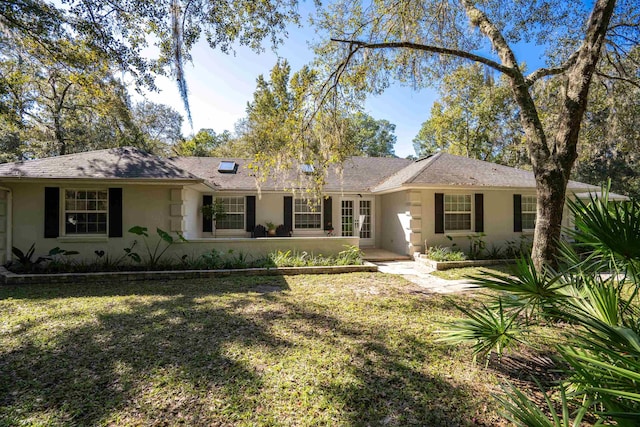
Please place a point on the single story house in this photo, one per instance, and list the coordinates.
(87, 202)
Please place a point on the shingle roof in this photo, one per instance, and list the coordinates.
(112, 163)
(443, 169)
(359, 173)
(375, 174)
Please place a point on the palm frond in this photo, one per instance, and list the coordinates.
(521, 411)
(485, 329)
(530, 290)
(611, 229)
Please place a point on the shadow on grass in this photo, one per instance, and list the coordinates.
(390, 383)
(204, 353)
(81, 375)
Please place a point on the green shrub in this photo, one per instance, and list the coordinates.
(440, 253)
(599, 354)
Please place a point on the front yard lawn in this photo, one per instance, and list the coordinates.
(352, 349)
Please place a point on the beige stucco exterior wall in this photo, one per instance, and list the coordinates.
(166, 207)
(145, 205)
(407, 220)
(395, 221)
(192, 216)
(265, 245)
(498, 219)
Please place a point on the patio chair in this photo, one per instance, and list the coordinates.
(259, 231)
(281, 231)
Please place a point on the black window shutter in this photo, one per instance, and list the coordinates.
(251, 213)
(439, 213)
(479, 212)
(115, 212)
(51, 212)
(327, 210)
(517, 212)
(288, 213)
(207, 224)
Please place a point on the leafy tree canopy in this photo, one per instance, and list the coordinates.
(122, 29)
(475, 116)
(418, 42)
(370, 137)
(204, 143)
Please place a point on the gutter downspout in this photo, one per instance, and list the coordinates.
(9, 223)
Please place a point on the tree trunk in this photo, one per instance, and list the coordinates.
(551, 190)
(552, 166)
(59, 134)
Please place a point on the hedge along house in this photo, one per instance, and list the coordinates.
(88, 201)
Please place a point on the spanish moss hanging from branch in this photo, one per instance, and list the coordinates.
(178, 57)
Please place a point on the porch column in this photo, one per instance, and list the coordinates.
(414, 209)
(177, 211)
(5, 231)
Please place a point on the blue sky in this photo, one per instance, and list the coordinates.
(220, 86)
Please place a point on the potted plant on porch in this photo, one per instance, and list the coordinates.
(271, 228)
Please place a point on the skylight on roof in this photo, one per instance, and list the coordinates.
(308, 169)
(227, 166)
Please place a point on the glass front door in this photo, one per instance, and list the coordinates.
(357, 219)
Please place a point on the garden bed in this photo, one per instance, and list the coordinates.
(447, 265)
(9, 278)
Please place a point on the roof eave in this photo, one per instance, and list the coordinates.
(152, 181)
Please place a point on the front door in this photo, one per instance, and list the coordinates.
(357, 219)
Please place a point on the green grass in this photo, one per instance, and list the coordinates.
(465, 272)
(353, 349)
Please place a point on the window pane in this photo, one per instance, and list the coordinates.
(457, 203)
(528, 221)
(233, 217)
(453, 222)
(230, 222)
(307, 220)
(528, 212)
(307, 214)
(528, 203)
(86, 211)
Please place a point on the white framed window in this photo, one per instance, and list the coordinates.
(529, 212)
(85, 211)
(457, 212)
(233, 218)
(307, 215)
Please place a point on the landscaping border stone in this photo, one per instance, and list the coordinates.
(9, 278)
(447, 265)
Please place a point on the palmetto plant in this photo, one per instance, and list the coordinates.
(595, 293)
(486, 328)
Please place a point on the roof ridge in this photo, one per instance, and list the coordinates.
(385, 178)
(430, 160)
(78, 153)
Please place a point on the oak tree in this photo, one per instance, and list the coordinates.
(418, 42)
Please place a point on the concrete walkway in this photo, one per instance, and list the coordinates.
(418, 273)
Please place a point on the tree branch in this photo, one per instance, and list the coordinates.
(619, 78)
(529, 116)
(543, 72)
(427, 48)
